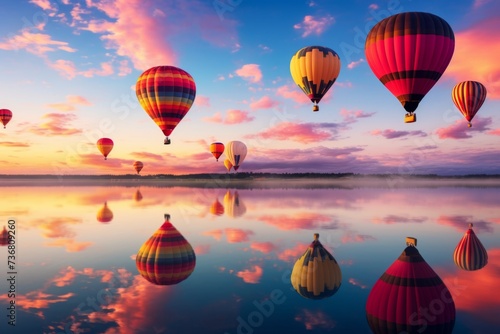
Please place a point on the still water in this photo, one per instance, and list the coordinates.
(76, 247)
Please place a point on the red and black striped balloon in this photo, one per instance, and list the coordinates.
(410, 298)
(470, 253)
(408, 52)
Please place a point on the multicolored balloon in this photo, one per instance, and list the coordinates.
(105, 145)
(470, 253)
(104, 215)
(408, 52)
(314, 69)
(468, 96)
(316, 274)
(166, 93)
(236, 151)
(138, 166)
(217, 149)
(5, 116)
(166, 258)
(410, 298)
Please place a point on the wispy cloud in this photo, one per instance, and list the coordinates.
(459, 129)
(252, 275)
(71, 102)
(354, 64)
(36, 43)
(351, 116)
(264, 102)
(13, 144)
(299, 132)
(294, 93)
(232, 117)
(56, 124)
(314, 25)
(393, 134)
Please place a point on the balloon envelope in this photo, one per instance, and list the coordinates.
(137, 195)
(236, 152)
(314, 69)
(408, 52)
(4, 237)
(468, 96)
(316, 274)
(233, 205)
(5, 116)
(138, 166)
(104, 215)
(217, 208)
(105, 145)
(410, 298)
(228, 165)
(470, 253)
(166, 258)
(166, 93)
(217, 149)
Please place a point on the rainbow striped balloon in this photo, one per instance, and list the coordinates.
(166, 258)
(470, 253)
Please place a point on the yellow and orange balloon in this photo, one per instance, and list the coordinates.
(217, 149)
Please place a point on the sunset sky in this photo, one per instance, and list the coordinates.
(69, 70)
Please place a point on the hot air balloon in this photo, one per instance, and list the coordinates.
(410, 298)
(236, 152)
(316, 274)
(228, 165)
(104, 215)
(166, 93)
(408, 52)
(217, 149)
(137, 196)
(470, 253)
(105, 145)
(5, 116)
(233, 205)
(217, 208)
(314, 69)
(4, 237)
(138, 166)
(468, 96)
(166, 258)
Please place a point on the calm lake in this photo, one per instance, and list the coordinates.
(75, 253)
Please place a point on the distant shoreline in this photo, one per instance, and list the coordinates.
(254, 180)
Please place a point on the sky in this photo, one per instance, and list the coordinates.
(70, 69)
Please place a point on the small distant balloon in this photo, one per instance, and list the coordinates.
(105, 145)
(138, 166)
(4, 237)
(104, 215)
(470, 253)
(217, 149)
(468, 96)
(236, 152)
(228, 165)
(5, 116)
(316, 274)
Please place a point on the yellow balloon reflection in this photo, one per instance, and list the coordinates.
(233, 205)
(137, 196)
(316, 274)
(104, 215)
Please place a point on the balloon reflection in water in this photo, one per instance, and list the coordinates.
(233, 205)
(137, 196)
(470, 253)
(228, 165)
(4, 237)
(316, 274)
(104, 215)
(217, 208)
(410, 298)
(166, 258)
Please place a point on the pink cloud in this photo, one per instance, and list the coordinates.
(311, 25)
(264, 103)
(250, 72)
(459, 129)
(13, 144)
(294, 93)
(65, 68)
(481, 40)
(302, 220)
(293, 254)
(264, 247)
(233, 116)
(71, 245)
(236, 235)
(35, 43)
(202, 249)
(393, 219)
(461, 224)
(43, 4)
(351, 237)
(147, 155)
(495, 132)
(373, 6)
(70, 105)
(104, 70)
(251, 276)
(315, 320)
(356, 282)
(350, 116)
(216, 234)
(392, 134)
(299, 132)
(202, 101)
(56, 125)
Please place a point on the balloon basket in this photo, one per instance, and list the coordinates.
(410, 118)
